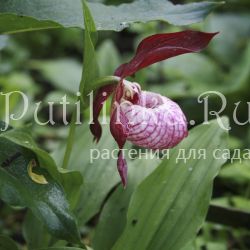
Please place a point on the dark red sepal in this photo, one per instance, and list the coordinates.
(119, 130)
(101, 96)
(159, 47)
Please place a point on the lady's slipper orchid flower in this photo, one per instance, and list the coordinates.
(144, 118)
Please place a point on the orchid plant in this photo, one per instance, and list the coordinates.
(145, 118)
(68, 192)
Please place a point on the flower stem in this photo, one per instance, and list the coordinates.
(70, 141)
(71, 136)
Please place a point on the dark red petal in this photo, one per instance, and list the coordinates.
(119, 91)
(119, 129)
(159, 47)
(120, 69)
(101, 96)
(122, 168)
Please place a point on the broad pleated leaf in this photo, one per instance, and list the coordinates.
(35, 189)
(96, 165)
(26, 15)
(34, 238)
(113, 217)
(168, 208)
(23, 138)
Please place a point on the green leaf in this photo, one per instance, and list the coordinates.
(189, 246)
(56, 97)
(23, 138)
(89, 73)
(63, 248)
(13, 82)
(108, 57)
(168, 208)
(210, 242)
(113, 216)
(90, 65)
(237, 202)
(238, 172)
(71, 180)
(189, 76)
(234, 36)
(64, 73)
(26, 24)
(100, 175)
(3, 41)
(34, 238)
(192, 67)
(189, 81)
(7, 243)
(45, 14)
(240, 73)
(47, 201)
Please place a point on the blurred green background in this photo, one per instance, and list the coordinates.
(47, 64)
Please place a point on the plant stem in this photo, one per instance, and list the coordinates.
(70, 141)
(106, 80)
(71, 136)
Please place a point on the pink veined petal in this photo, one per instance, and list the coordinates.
(159, 47)
(102, 95)
(158, 123)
